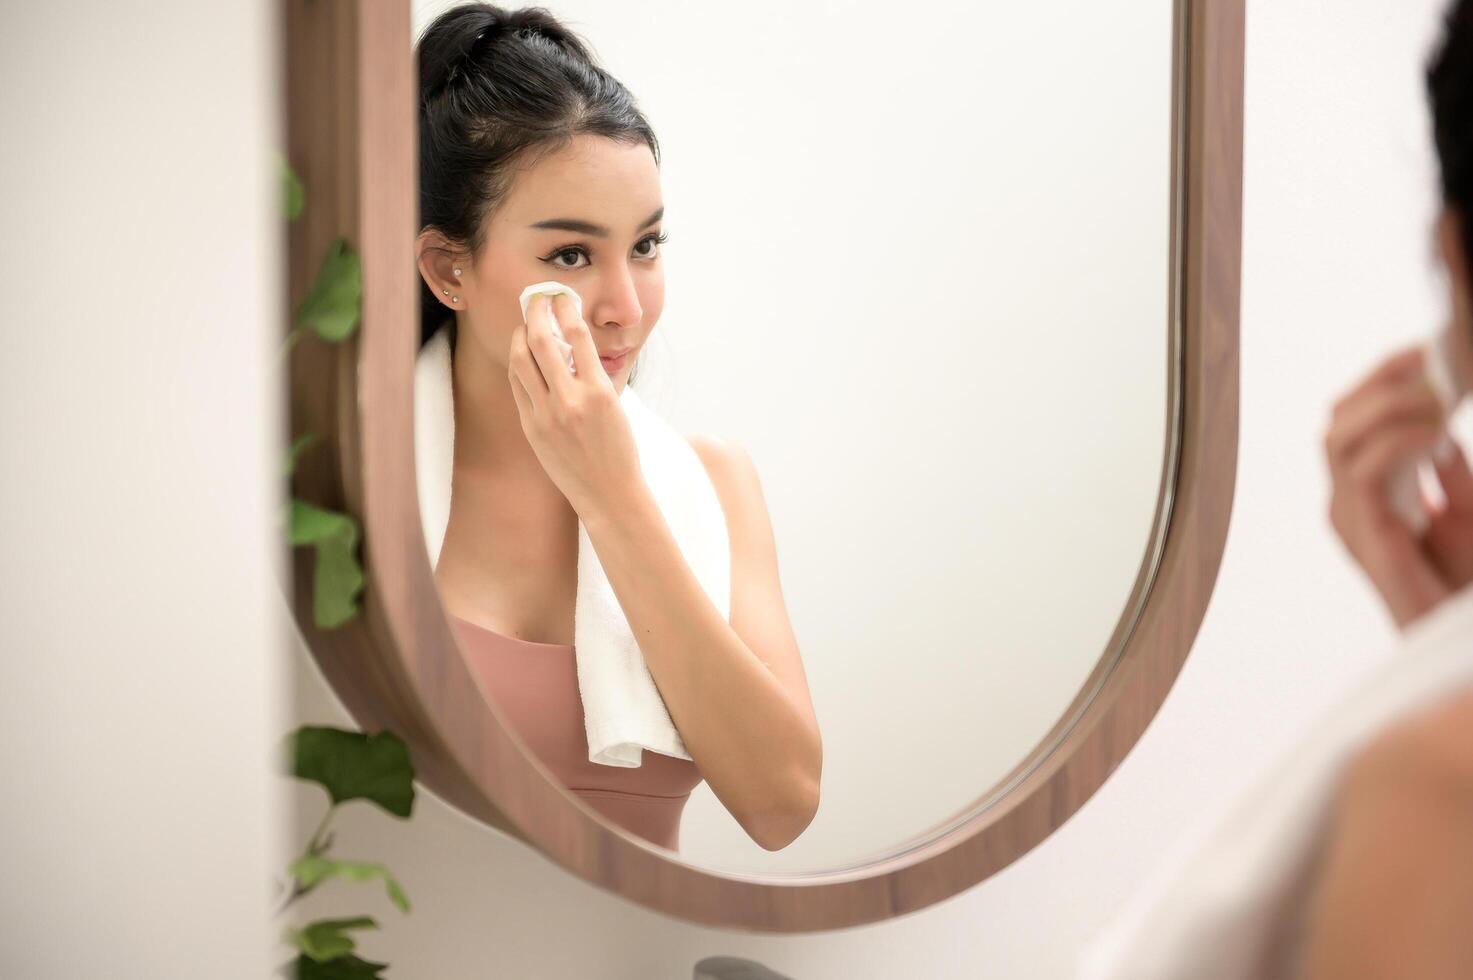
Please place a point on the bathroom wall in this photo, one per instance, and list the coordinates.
(139, 654)
(1337, 269)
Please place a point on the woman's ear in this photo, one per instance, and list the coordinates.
(442, 267)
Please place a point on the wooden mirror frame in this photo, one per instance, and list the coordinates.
(351, 105)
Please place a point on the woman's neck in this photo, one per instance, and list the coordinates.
(511, 542)
(496, 473)
(488, 424)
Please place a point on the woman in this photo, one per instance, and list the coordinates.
(1396, 898)
(1354, 859)
(535, 164)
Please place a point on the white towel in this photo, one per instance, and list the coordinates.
(1228, 903)
(622, 709)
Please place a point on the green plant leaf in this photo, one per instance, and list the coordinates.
(331, 309)
(328, 938)
(311, 869)
(354, 766)
(338, 577)
(293, 195)
(295, 451)
(342, 968)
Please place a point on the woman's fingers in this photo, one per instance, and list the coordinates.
(1408, 579)
(585, 351)
(1384, 450)
(546, 349)
(522, 368)
(1392, 402)
(1402, 365)
(1384, 423)
(1449, 534)
(565, 317)
(1455, 478)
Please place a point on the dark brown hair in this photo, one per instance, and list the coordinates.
(1450, 92)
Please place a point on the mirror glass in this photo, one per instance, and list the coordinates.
(918, 266)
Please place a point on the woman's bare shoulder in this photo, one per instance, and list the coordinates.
(1398, 854)
(1434, 742)
(715, 451)
(734, 476)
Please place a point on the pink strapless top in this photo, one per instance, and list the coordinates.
(535, 686)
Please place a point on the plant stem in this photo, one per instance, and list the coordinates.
(297, 892)
(315, 846)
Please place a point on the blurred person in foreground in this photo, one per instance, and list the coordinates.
(1353, 858)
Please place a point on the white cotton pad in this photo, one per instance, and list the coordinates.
(551, 288)
(1405, 489)
(1449, 386)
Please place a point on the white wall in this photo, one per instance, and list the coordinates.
(138, 654)
(1337, 269)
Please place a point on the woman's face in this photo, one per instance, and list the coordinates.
(587, 216)
(1460, 286)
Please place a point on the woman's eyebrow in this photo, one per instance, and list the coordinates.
(589, 228)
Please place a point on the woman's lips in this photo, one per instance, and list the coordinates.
(612, 364)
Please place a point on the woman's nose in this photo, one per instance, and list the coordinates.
(617, 301)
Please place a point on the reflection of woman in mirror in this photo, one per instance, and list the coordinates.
(1355, 859)
(536, 165)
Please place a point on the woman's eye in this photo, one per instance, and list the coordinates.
(659, 239)
(567, 251)
(645, 249)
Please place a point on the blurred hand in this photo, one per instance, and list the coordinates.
(1390, 417)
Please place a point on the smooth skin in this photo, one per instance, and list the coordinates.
(1396, 890)
(537, 449)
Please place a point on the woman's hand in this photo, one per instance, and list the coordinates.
(573, 422)
(1392, 415)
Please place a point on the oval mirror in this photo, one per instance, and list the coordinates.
(943, 324)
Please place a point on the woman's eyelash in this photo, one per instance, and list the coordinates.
(659, 239)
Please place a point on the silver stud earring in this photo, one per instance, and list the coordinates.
(457, 272)
(455, 299)
(445, 291)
